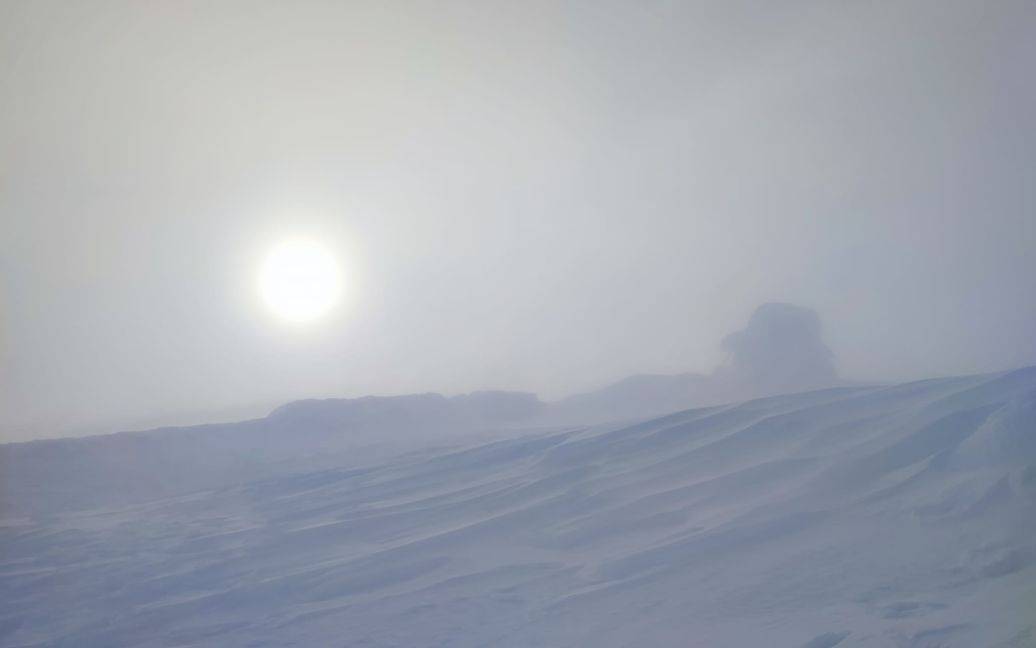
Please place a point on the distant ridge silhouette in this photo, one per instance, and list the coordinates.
(780, 350)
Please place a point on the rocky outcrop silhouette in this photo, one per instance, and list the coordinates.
(780, 350)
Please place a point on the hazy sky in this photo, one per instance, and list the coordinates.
(535, 196)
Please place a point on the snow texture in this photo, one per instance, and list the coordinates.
(856, 516)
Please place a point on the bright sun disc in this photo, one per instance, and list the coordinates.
(300, 280)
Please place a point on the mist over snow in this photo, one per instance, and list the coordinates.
(780, 349)
(517, 324)
(533, 196)
(850, 516)
(769, 502)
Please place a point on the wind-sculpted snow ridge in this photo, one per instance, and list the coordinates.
(61, 475)
(857, 516)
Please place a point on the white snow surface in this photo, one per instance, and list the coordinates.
(857, 516)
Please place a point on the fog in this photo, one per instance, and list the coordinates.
(544, 197)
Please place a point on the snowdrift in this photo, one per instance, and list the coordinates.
(854, 516)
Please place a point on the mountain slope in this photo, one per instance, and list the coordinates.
(884, 516)
(57, 475)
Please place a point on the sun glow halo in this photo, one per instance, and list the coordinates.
(300, 280)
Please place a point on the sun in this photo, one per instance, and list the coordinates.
(300, 280)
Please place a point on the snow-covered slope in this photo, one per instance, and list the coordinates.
(56, 475)
(891, 516)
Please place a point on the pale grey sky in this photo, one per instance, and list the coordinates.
(536, 196)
